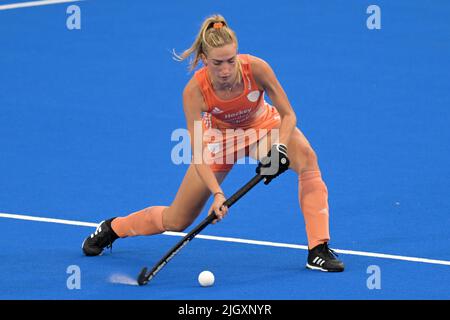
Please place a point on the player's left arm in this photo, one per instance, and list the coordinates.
(266, 79)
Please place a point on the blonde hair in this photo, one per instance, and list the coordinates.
(214, 33)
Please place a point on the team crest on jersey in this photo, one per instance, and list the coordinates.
(214, 147)
(253, 96)
(216, 110)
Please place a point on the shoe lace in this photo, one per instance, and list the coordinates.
(329, 252)
(101, 237)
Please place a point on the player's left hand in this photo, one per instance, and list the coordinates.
(275, 163)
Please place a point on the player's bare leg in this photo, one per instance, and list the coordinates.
(187, 205)
(189, 201)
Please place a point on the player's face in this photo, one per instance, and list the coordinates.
(222, 65)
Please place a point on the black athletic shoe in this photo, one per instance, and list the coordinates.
(102, 238)
(323, 258)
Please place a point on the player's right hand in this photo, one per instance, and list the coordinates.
(218, 207)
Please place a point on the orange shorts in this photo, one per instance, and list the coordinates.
(223, 147)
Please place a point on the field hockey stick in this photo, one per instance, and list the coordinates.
(144, 277)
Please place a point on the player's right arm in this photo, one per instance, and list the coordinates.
(194, 105)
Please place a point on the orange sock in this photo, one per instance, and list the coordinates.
(141, 223)
(313, 196)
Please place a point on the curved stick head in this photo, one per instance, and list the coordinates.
(142, 278)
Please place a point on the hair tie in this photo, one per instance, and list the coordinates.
(217, 25)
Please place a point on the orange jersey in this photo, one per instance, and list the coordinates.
(247, 111)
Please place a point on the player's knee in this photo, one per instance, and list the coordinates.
(310, 157)
(174, 225)
(307, 159)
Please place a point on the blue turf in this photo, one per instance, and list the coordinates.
(85, 125)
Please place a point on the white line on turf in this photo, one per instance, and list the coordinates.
(236, 240)
(33, 4)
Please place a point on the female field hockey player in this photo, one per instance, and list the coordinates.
(228, 93)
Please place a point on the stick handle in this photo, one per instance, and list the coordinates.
(241, 192)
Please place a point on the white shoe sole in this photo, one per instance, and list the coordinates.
(315, 268)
